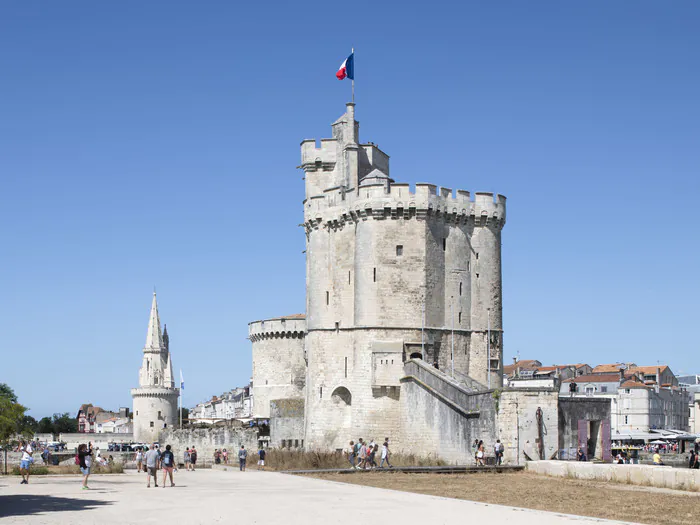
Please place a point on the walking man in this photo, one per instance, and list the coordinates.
(26, 461)
(261, 459)
(498, 449)
(167, 460)
(242, 456)
(152, 459)
(187, 458)
(385, 454)
(193, 457)
(351, 454)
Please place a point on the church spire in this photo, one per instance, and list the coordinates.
(166, 338)
(154, 339)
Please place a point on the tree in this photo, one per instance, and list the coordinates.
(45, 426)
(64, 423)
(6, 391)
(11, 413)
(27, 426)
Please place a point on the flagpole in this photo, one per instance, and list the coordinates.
(353, 74)
(181, 399)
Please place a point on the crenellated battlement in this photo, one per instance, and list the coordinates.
(289, 327)
(313, 158)
(395, 201)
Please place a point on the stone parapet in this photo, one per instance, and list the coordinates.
(277, 328)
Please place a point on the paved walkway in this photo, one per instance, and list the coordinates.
(251, 497)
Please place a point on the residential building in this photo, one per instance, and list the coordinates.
(87, 417)
(523, 368)
(235, 404)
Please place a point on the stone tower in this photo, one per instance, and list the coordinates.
(390, 274)
(155, 400)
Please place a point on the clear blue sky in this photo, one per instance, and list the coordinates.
(155, 143)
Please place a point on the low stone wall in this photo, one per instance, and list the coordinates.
(98, 440)
(646, 475)
(230, 436)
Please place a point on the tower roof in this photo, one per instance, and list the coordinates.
(154, 338)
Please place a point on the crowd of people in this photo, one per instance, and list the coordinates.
(363, 455)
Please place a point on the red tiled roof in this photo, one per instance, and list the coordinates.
(614, 367)
(649, 369)
(591, 378)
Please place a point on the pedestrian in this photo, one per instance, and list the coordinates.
(475, 449)
(187, 458)
(498, 449)
(85, 462)
(362, 463)
(385, 454)
(358, 448)
(217, 456)
(242, 456)
(691, 461)
(351, 454)
(657, 458)
(261, 459)
(26, 461)
(45, 455)
(480, 454)
(167, 460)
(152, 459)
(225, 456)
(193, 457)
(139, 459)
(372, 453)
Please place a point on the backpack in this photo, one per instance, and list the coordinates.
(167, 458)
(77, 459)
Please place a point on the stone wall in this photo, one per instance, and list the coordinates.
(518, 424)
(98, 440)
(440, 417)
(287, 423)
(229, 436)
(279, 369)
(646, 475)
(571, 411)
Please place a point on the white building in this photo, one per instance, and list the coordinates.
(155, 400)
(638, 405)
(236, 404)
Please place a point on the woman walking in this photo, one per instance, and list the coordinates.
(85, 460)
(480, 454)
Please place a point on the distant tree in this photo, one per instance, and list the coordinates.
(27, 426)
(185, 415)
(7, 392)
(45, 426)
(64, 423)
(11, 413)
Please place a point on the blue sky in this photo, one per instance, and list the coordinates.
(155, 143)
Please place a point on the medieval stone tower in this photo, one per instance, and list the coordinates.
(390, 274)
(155, 400)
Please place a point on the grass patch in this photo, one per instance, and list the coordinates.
(597, 499)
(295, 459)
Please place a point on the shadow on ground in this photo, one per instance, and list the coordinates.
(24, 505)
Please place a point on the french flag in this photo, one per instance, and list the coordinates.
(347, 68)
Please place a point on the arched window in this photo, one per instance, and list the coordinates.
(342, 396)
(416, 355)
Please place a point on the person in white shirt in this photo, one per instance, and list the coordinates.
(26, 461)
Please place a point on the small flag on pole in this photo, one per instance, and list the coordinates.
(182, 382)
(347, 68)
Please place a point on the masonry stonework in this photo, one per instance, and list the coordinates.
(395, 275)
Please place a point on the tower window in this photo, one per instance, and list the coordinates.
(151, 424)
(444, 244)
(348, 276)
(337, 327)
(346, 367)
(459, 317)
(477, 275)
(320, 393)
(375, 275)
(469, 266)
(328, 298)
(477, 256)
(399, 249)
(460, 288)
(159, 416)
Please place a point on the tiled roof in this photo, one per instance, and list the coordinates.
(591, 378)
(649, 369)
(614, 367)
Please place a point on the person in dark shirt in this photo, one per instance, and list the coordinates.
(167, 461)
(85, 460)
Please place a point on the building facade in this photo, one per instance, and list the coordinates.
(155, 400)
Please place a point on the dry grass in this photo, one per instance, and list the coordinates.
(295, 459)
(523, 489)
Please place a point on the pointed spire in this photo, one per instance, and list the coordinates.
(168, 374)
(166, 338)
(154, 338)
